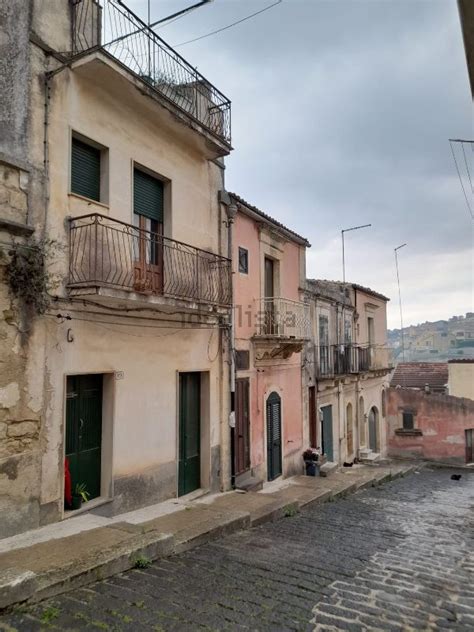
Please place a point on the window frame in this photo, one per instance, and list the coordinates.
(243, 252)
(103, 168)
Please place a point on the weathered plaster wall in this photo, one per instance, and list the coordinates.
(284, 376)
(440, 422)
(461, 379)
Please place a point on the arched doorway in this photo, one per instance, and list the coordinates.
(374, 429)
(349, 431)
(273, 413)
(362, 431)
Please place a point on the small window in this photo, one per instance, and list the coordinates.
(242, 360)
(85, 169)
(243, 260)
(408, 420)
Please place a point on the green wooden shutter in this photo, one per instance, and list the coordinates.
(147, 196)
(85, 170)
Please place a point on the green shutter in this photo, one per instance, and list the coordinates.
(147, 196)
(85, 170)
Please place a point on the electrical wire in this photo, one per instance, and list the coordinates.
(224, 28)
(460, 180)
(467, 166)
(182, 14)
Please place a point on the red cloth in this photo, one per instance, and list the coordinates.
(67, 484)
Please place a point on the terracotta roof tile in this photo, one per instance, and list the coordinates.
(418, 374)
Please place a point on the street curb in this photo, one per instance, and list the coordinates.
(20, 586)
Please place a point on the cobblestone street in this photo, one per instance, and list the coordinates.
(395, 557)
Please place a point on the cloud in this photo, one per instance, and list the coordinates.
(341, 114)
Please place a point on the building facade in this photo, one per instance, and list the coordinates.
(111, 149)
(271, 328)
(345, 371)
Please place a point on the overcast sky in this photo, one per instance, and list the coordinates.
(341, 114)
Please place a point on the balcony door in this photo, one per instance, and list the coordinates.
(269, 293)
(147, 241)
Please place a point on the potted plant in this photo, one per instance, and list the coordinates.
(80, 495)
(310, 458)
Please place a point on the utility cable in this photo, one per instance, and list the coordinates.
(460, 180)
(224, 28)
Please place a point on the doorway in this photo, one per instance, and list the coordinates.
(349, 431)
(242, 426)
(189, 463)
(313, 435)
(469, 445)
(373, 428)
(274, 458)
(326, 432)
(84, 431)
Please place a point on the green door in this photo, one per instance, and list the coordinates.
(189, 474)
(84, 431)
(326, 432)
(274, 460)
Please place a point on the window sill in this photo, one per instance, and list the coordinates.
(409, 432)
(89, 200)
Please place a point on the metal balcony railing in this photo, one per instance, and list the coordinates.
(104, 252)
(282, 318)
(111, 26)
(343, 359)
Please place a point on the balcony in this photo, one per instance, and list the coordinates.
(109, 26)
(347, 359)
(282, 327)
(108, 257)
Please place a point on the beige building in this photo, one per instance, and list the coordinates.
(114, 352)
(461, 378)
(346, 370)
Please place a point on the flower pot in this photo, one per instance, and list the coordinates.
(76, 502)
(310, 468)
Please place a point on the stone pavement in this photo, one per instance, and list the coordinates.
(60, 557)
(399, 556)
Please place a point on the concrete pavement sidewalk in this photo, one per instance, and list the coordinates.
(54, 559)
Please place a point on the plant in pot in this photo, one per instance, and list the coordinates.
(80, 495)
(310, 458)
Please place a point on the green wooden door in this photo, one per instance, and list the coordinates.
(189, 474)
(274, 459)
(326, 433)
(84, 431)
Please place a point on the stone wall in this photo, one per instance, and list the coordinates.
(20, 407)
(440, 422)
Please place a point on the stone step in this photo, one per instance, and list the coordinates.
(249, 484)
(328, 468)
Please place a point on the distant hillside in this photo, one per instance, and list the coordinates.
(435, 341)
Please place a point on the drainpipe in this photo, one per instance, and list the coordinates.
(231, 211)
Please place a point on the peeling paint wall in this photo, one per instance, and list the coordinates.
(440, 422)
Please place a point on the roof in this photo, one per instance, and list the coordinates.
(290, 233)
(356, 286)
(367, 290)
(461, 361)
(418, 374)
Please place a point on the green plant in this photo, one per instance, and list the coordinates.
(27, 272)
(49, 614)
(81, 491)
(142, 562)
(290, 511)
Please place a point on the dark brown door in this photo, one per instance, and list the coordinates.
(274, 443)
(242, 426)
(269, 290)
(469, 446)
(148, 264)
(313, 437)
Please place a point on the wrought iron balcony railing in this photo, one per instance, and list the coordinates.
(104, 252)
(343, 359)
(111, 26)
(283, 318)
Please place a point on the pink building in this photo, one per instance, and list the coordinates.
(271, 326)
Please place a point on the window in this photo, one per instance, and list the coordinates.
(243, 260)
(242, 360)
(85, 169)
(408, 420)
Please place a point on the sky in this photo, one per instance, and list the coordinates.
(341, 115)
